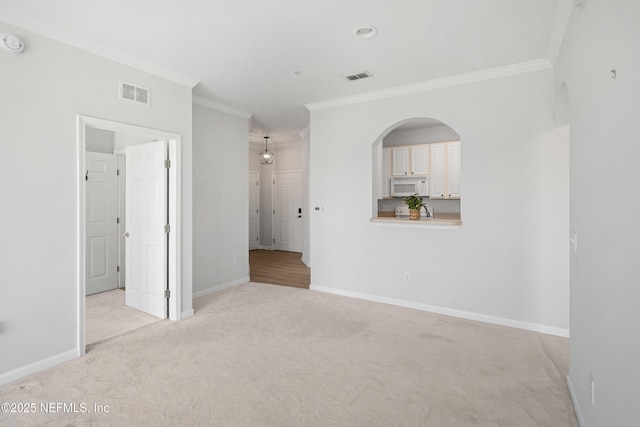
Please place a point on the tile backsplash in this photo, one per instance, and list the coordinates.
(450, 206)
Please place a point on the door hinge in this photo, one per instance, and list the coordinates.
(167, 164)
(257, 211)
(274, 241)
(256, 183)
(274, 182)
(274, 211)
(117, 220)
(117, 171)
(118, 269)
(167, 293)
(167, 228)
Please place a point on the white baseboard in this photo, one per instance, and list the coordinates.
(186, 314)
(535, 327)
(576, 404)
(266, 248)
(221, 287)
(38, 366)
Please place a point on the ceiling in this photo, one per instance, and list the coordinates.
(245, 53)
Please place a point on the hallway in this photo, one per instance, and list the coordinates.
(279, 268)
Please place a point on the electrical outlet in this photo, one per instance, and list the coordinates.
(407, 277)
(592, 390)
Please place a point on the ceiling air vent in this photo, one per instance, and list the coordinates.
(359, 76)
(134, 93)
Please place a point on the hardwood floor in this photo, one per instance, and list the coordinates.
(278, 268)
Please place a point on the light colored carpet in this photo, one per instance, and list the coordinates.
(108, 316)
(262, 355)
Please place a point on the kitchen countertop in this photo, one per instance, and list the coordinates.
(447, 220)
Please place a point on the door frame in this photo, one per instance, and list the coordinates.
(273, 205)
(259, 210)
(175, 236)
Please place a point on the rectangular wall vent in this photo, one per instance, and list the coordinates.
(359, 76)
(134, 93)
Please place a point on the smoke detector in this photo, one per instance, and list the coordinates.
(11, 43)
(366, 32)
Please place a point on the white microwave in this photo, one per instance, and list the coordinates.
(403, 186)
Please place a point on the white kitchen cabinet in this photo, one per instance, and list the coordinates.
(436, 179)
(419, 159)
(445, 170)
(386, 172)
(400, 161)
(453, 170)
(410, 160)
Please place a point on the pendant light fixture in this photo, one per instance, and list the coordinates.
(266, 157)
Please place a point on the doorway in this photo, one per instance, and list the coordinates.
(159, 205)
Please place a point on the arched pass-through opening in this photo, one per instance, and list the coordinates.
(419, 156)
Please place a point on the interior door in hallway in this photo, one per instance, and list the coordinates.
(254, 217)
(287, 198)
(101, 216)
(146, 217)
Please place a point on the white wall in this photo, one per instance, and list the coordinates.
(509, 259)
(254, 161)
(43, 90)
(288, 157)
(265, 172)
(605, 318)
(220, 199)
(122, 140)
(99, 140)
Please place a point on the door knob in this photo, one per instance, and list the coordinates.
(126, 234)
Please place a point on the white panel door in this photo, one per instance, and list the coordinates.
(288, 211)
(146, 217)
(102, 228)
(254, 217)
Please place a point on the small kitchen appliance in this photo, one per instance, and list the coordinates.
(403, 186)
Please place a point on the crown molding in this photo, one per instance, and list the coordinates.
(44, 29)
(460, 79)
(214, 105)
